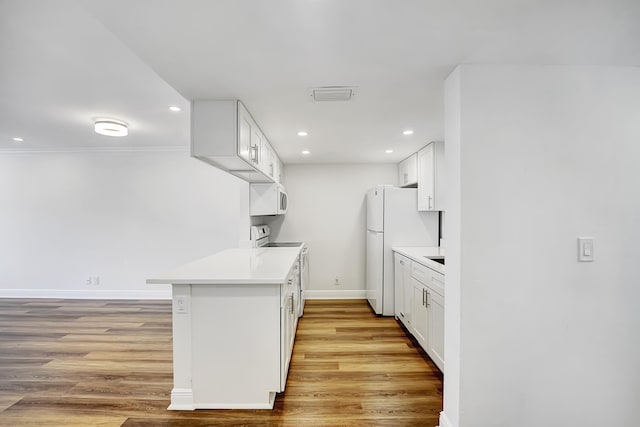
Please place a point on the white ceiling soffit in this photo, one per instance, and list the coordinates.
(61, 69)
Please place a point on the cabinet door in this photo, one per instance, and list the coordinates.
(292, 326)
(402, 173)
(256, 146)
(435, 345)
(266, 162)
(408, 294)
(276, 168)
(287, 329)
(426, 178)
(398, 285)
(419, 315)
(244, 135)
(408, 171)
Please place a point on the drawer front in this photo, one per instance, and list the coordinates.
(437, 283)
(421, 273)
(428, 277)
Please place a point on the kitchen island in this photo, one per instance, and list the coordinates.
(234, 321)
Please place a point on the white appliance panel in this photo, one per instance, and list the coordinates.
(374, 278)
(375, 208)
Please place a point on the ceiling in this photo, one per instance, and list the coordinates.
(64, 63)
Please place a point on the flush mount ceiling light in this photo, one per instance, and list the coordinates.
(174, 108)
(306, 152)
(302, 133)
(388, 151)
(407, 132)
(111, 127)
(17, 139)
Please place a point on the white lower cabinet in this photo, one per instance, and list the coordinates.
(289, 322)
(435, 313)
(420, 322)
(403, 291)
(420, 291)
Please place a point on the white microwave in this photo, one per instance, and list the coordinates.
(268, 199)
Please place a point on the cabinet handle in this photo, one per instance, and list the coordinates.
(254, 154)
(430, 197)
(291, 305)
(428, 303)
(423, 297)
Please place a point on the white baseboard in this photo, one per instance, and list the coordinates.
(330, 294)
(182, 400)
(85, 294)
(444, 420)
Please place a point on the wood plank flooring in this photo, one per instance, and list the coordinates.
(109, 363)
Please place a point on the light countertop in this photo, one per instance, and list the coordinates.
(423, 255)
(234, 266)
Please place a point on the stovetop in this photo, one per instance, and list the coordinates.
(282, 245)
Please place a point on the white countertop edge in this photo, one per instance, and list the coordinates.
(422, 255)
(222, 268)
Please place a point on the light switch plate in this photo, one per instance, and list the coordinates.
(585, 249)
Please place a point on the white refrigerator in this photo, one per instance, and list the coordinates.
(392, 220)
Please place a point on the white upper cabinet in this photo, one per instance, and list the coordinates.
(408, 171)
(267, 159)
(431, 177)
(280, 171)
(224, 134)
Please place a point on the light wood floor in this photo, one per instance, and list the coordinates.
(109, 363)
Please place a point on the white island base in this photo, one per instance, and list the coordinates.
(227, 347)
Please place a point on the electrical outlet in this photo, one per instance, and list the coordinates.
(92, 281)
(182, 304)
(337, 282)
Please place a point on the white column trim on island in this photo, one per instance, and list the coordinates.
(182, 393)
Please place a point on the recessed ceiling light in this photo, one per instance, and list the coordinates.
(305, 152)
(175, 109)
(302, 133)
(407, 132)
(111, 127)
(18, 139)
(388, 151)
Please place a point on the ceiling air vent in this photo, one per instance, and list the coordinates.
(332, 93)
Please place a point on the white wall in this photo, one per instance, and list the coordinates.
(545, 154)
(327, 210)
(123, 216)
